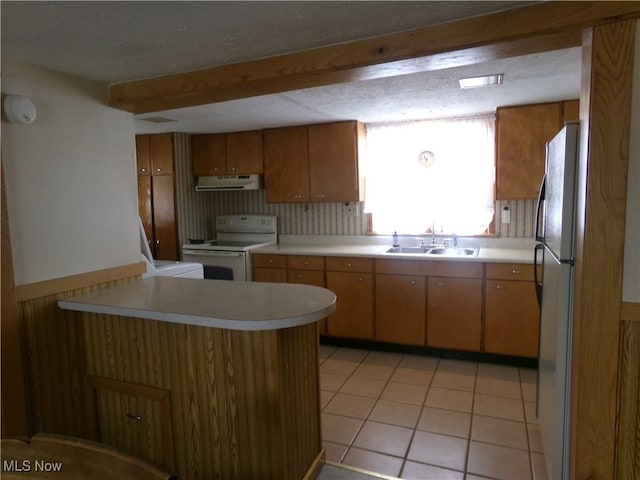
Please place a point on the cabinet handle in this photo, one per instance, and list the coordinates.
(133, 416)
(320, 195)
(157, 242)
(412, 282)
(360, 279)
(500, 287)
(234, 169)
(516, 272)
(442, 284)
(307, 262)
(299, 275)
(143, 169)
(348, 265)
(269, 261)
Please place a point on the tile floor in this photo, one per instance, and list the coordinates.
(418, 417)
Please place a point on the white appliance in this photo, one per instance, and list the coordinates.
(229, 182)
(555, 231)
(228, 257)
(166, 268)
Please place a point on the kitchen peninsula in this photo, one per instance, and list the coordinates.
(211, 379)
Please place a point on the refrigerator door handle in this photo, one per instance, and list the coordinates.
(536, 280)
(539, 234)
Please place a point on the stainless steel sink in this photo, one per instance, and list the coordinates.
(407, 250)
(454, 252)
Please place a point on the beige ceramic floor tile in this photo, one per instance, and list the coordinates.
(528, 391)
(449, 399)
(528, 375)
(475, 477)
(338, 429)
(420, 471)
(405, 393)
(349, 354)
(373, 462)
(334, 451)
(498, 407)
(498, 372)
(445, 422)
(350, 405)
(499, 432)
(440, 450)
(499, 388)
(384, 438)
(454, 381)
(383, 358)
(457, 366)
(325, 397)
(375, 372)
(338, 367)
(535, 438)
(395, 413)
(413, 376)
(538, 466)
(325, 351)
(331, 382)
(364, 387)
(419, 361)
(530, 412)
(498, 462)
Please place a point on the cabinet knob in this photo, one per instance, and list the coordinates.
(320, 195)
(133, 416)
(234, 169)
(500, 287)
(349, 265)
(412, 282)
(516, 272)
(269, 261)
(306, 262)
(157, 242)
(360, 279)
(442, 284)
(158, 170)
(143, 169)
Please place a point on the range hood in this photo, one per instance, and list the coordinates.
(229, 182)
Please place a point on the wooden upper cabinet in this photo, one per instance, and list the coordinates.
(244, 153)
(154, 154)
(521, 136)
(238, 153)
(208, 154)
(143, 161)
(333, 162)
(286, 164)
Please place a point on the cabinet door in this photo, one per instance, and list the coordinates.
(143, 162)
(161, 154)
(353, 316)
(570, 111)
(454, 312)
(208, 155)
(145, 209)
(244, 153)
(521, 137)
(136, 418)
(511, 318)
(286, 165)
(164, 218)
(309, 277)
(333, 162)
(271, 275)
(400, 309)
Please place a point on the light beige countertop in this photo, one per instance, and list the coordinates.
(211, 303)
(485, 254)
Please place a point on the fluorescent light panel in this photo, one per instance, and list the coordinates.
(483, 81)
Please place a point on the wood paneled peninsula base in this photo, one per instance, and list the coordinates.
(211, 379)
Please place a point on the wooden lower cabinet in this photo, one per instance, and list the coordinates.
(511, 318)
(454, 313)
(271, 275)
(400, 309)
(353, 316)
(309, 277)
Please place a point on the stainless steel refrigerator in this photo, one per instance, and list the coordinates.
(555, 231)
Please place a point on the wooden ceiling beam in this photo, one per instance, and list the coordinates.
(541, 27)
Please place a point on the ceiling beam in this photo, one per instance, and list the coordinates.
(532, 29)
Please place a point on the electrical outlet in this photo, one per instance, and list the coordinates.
(506, 215)
(350, 209)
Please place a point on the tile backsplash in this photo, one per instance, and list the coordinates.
(197, 210)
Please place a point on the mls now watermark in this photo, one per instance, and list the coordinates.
(31, 466)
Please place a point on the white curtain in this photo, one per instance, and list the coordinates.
(428, 173)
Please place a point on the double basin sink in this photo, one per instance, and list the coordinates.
(442, 251)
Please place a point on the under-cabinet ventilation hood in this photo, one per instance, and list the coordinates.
(229, 182)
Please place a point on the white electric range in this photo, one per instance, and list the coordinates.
(228, 257)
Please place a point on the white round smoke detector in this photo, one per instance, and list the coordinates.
(19, 109)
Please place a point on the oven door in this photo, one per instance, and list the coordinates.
(219, 264)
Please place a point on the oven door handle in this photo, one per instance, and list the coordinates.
(211, 253)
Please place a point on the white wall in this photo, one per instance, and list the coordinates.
(70, 178)
(631, 282)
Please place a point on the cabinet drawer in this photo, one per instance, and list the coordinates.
(269, 261)
(305, 262)
(452, 269)
(510, 271)
(403, 267)
(348, 264)
(269, 275)
(306, 277)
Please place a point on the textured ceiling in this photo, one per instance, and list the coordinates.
(119, 41)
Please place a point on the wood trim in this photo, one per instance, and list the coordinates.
(15, 419)
(605, 113)
(630, 312)
(520, 31)
(316, 466)
(54, 286)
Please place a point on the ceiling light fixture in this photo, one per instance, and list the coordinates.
(482, 81)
